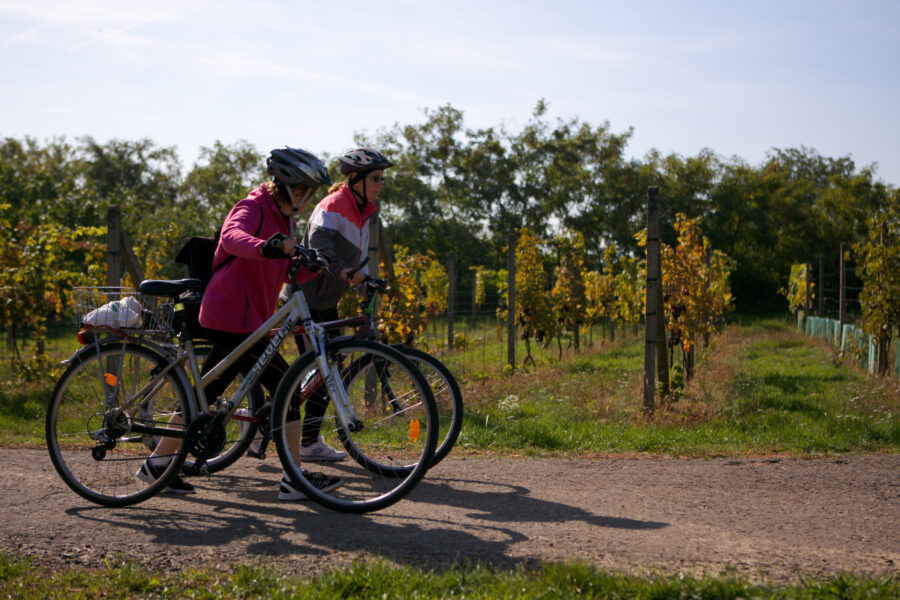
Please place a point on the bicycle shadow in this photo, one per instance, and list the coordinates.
(243, 511)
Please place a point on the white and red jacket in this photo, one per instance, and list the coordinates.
(339, 231)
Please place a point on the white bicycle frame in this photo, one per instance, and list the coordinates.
(294, 310)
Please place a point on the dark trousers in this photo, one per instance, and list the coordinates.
(224, 342)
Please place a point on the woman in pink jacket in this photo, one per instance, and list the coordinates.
(247, 277)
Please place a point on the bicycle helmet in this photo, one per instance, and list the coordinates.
(293, 166)
(363, 160)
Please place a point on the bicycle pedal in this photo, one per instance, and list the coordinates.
(197, 470)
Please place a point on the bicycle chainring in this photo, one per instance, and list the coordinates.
(205, 437)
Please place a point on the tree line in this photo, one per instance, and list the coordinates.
(465, 190)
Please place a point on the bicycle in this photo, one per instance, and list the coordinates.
(128, 389)
(444, 386)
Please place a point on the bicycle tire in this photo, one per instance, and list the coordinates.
(390, 453)
(447, 397)
(237, 437)
(96, 455)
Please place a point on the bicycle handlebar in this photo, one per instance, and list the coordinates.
(378, 285)
(305, 256)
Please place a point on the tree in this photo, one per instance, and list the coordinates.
(423, 205)
(223, 176)
(534, 312)
(568, 293)
(695, 289)
(879, 266)
(39, 265)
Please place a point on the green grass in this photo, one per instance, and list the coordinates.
(377, 580)
(761, 388)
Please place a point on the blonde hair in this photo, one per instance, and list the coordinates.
(336, 186)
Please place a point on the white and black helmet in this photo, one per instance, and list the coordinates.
(363, 160)
(293, 166)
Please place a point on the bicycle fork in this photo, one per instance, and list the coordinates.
(342, 408)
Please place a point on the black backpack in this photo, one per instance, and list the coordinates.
(198, 252)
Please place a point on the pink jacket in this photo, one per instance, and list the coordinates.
(242, 294)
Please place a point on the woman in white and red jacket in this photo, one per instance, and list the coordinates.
(338, 230)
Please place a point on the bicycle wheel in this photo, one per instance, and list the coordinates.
(239, 430)
(98, 438)
(390, 445)
(447, 397)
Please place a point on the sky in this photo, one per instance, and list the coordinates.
(739, 78)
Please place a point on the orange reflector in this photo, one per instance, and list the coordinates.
(110, 379)
(414, 430)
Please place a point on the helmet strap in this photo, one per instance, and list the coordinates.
(360, 176)
(289, 192)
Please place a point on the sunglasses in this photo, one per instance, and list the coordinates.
(376, 178)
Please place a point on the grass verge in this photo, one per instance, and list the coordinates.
(761, 387)
(22, 579)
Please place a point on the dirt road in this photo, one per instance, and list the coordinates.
(778, 518)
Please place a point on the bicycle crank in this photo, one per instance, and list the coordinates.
(205, 438)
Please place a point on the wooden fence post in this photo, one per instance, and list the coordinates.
(132, 265)
(707, 261)
(374, 249)
(474, 296)
(842, 299)
(511, 301)
(451, 297)
(662, 357)
(113, 246)
(651, 298)
(820, 295)
(384, 252)
(808, 305)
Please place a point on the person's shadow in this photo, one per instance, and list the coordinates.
(508, 503)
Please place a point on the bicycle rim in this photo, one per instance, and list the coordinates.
(392, 446)
(97, 455)
(447, 397)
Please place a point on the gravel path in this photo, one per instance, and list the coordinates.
(776, 518)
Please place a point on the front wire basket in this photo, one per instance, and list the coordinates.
(122, 309)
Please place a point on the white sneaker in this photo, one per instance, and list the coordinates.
(319, 450)
(253, 450)
(321, 481)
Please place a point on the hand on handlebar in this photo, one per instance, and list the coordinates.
(353, 276)
(310, 258)
(277, 246)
